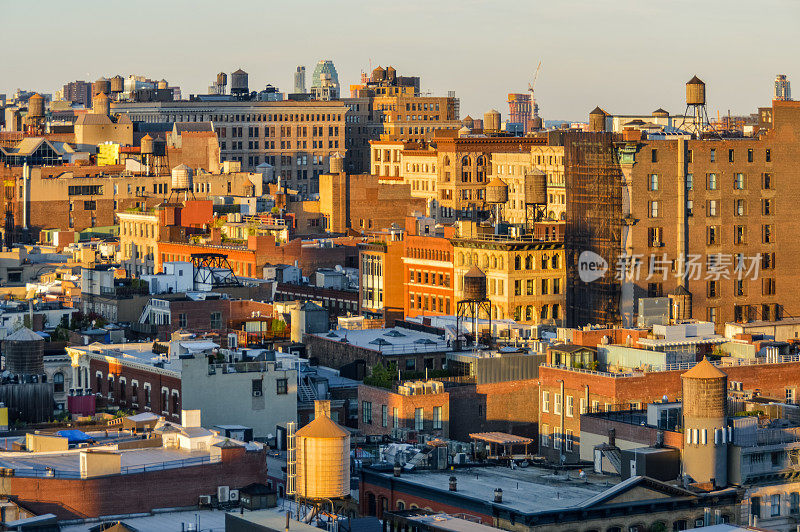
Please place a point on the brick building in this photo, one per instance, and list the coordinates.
(364, 202)
(249, 260)
(566, 393)
(296, 138)
(687, 209)
(428, 284)
(380, 275)
(69, 496)
(413, 409)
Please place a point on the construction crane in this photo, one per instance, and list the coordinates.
(532, 84)
(531, 87)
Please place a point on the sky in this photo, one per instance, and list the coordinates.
(628, 56)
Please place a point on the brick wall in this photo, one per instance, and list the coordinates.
(157, 382)
(141, 492)
(406, 406)
(510, 406)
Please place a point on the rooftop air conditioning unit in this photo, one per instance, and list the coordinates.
(205, 500)
(233, 495)
(223, 493)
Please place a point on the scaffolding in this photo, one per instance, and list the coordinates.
(594, 183)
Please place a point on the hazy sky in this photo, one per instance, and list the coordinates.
(629, 56)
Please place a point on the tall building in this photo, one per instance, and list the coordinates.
(324, 68)
(300, 80)
(709, 217)
(519, 110)
(78, 92)
(783, 88)
(296, 138)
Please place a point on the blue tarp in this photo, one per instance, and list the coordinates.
(74, 436)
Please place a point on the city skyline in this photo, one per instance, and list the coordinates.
(463, 46)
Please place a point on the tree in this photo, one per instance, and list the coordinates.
(382, 376)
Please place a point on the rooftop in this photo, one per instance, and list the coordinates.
(397, 340)
(518, 485)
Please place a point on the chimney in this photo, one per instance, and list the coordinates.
(397, 470)
(612, 437)
(453, 484)
(322, 409)
(498, 495)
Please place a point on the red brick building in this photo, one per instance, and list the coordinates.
(422, 411)
(428, 278)
(565, 394)
(137, 492)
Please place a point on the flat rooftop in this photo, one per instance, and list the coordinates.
(394, 341)
(159, 522)
(67, 464)
(525, 490)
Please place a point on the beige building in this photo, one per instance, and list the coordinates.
(138, 241)
(525, 278)
(513, 169)
(296, 138)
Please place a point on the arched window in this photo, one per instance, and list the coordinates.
(517, 313)
(517, 262)
(58, 382)
(543, 315)
(554, 262)
(545, 260)
(401, 505)
(446, 161)
(494, 262)
(486, 261)
(460, 257)
(528, 262)
(465, 161)
(529, 313)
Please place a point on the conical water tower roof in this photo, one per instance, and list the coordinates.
(322, 427)
(704, 370)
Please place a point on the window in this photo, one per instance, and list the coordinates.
(713, 155)
(568, 440)
(789, 394)
(766, 181)
(654, 155)
(766, 207)
(216, 320)
(768, 286)
(545, 401)
(89, 205)
(775, 505)
(766, 234)
(582, 407)
(557, 404)
(739, 234)
(713, 289)
(437, 417)
(738, 207)
(730, 156)
(713, 235)
(738, 287)
(712, 208)
(257, 387)
(556, 440)
(366, 412)
(712, 182)
(768, 156)
(653, 183)
(544, 436)
(653, 209)
(570, 407)
(384, 416)
(794, 502)
(689, 208)
(281, 386)
(689, 181)
(654, 236)
(395, 418)
(738, 181)
(418, 419)
(58, 382)
(182, 320)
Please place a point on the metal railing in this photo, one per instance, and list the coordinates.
(48, 472)
(244, 367)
